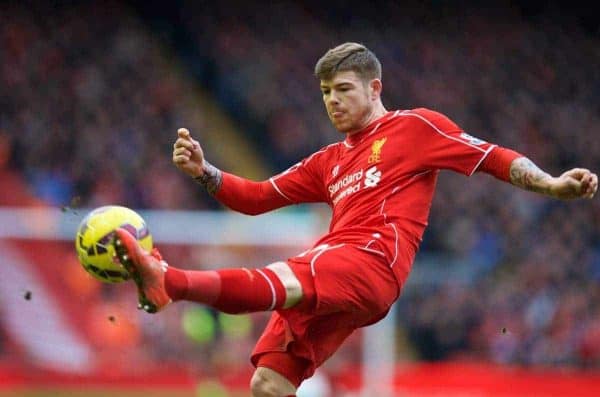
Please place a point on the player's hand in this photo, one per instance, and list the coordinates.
(187, 154)
(575, 183)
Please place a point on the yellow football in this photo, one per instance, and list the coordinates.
(94, 239)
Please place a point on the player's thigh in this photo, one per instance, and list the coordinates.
(284, 364)
(267, 382)
(350, 280)
(295, 342)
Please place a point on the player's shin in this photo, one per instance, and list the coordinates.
(236, 290)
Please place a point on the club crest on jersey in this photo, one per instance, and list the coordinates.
(471, 139)
(376, 150)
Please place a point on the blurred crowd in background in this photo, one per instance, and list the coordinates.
(90, 104)
(91, 94)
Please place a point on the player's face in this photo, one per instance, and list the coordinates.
(348, 100)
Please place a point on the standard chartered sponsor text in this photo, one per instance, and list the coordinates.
(346, 192)
(351, 183)
(345, 181)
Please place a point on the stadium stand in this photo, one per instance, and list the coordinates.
(94, 103)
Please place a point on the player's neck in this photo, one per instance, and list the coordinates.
(377, 112)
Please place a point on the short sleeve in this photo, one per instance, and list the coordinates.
(444, 145)
(302, 182)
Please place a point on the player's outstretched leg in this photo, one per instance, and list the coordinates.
(235, 290)
(146, 269)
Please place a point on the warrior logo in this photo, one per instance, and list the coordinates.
(376, 150)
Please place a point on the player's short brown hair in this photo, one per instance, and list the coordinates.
(348, 56)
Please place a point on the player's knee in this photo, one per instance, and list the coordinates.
(293, 287)
(263, 385)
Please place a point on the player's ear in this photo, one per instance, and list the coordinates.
(375, 88)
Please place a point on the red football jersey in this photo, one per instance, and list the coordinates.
(380, 181)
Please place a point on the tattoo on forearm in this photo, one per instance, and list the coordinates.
(211, 178)
(525, 174)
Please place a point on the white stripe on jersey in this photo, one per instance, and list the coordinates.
(369, 134)
(413, 177)
(396, 244)
(371, 250)
(314, 259)
(393, 227)
(294, 167)
(278, 190)
(492, 147)
(406, 113)
(374, 130)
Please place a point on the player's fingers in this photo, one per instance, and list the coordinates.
(180, 160)
(585, 180)
(591, 179)
(593, 185)
(587, 192)
(578, 173)
(183, 142)
(588, 182)
(180, 142)
(183, 133)
(191, 144)
(181, 151)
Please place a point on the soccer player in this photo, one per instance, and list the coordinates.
(379, 182)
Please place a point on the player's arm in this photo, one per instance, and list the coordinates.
(449, 147)
(237, 193)
(574, 183)
(520, 171)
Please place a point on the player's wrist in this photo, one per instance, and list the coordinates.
(553, 187)
(196, 173)
(211, 177)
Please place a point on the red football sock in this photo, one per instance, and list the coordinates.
(228, 290)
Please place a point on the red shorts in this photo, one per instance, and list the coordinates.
(348, 287)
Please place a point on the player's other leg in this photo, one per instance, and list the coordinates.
(229, 290)
(269, 383)
(278, 373)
